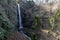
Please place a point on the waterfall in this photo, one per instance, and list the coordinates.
(19, 16)
(20, 22)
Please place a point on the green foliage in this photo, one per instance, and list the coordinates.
(1, 33)
(5, 28)
(52, 22)
(57, 15)
(53, 19)
(6, 25)
(37, 23)
(30, 4)
(34, 36)
(35, 27)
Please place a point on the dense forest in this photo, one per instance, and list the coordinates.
(40, 20)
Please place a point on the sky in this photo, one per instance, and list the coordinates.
(43, 1)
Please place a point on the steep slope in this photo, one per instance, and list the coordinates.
(9, 21)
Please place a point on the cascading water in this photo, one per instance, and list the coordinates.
(20, 22)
